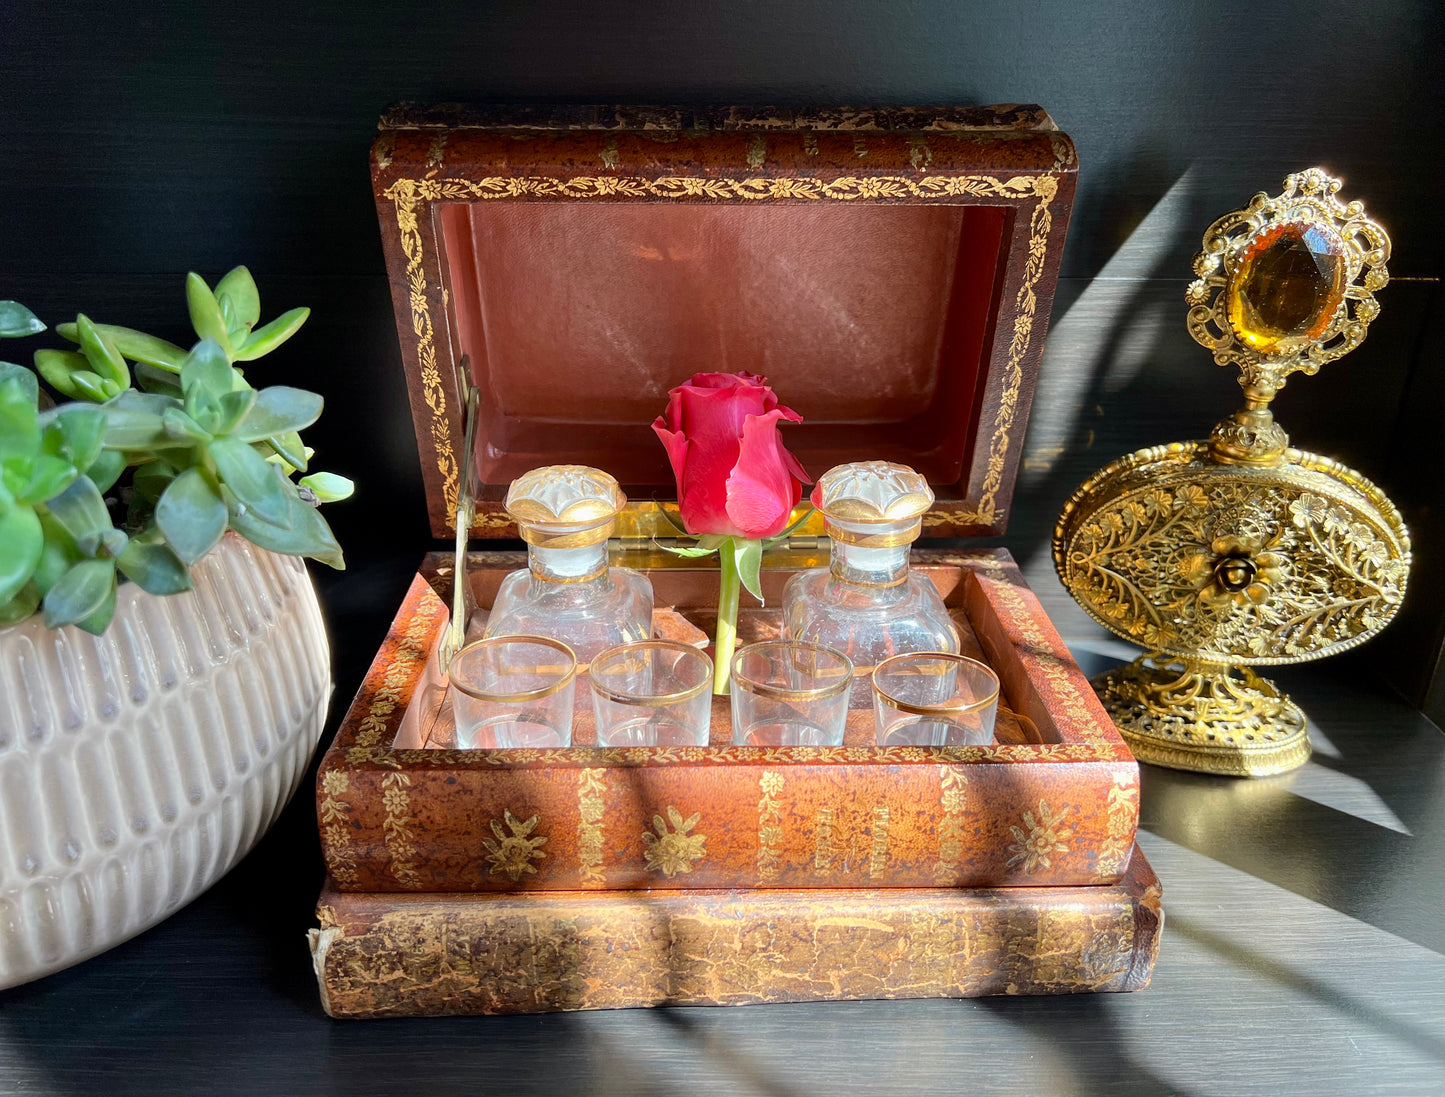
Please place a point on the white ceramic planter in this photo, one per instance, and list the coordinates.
(137, 768)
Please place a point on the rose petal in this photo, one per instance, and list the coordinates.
(762, 491)
(676, 446)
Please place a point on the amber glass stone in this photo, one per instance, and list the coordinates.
(1286, 287)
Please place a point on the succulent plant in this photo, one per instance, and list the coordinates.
(208, 452)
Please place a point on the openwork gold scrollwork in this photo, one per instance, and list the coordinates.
(1308, 205)
(1237, 552)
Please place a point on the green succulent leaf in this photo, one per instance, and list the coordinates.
(287, 447)
(191, 515)
(233, 407)
(36, 479)
(99, 621)
(154, 379)
(104, 359)
(19, 421)
(21, 543)
(239, 289)
(80, 509)
(81, 594)
(25, 602)
(17, 321)
(58, 556)
(70, 374)
(207, 369)
(135, 345)
(308, 534)
(151, 480)
(136, 421)
(182, 428)
(206, 315)
(105, 470)
(155, 568)
(75, 432)
(328, 487)
(279, 410)
(253, 480)
(9, 371)
(268, 337)
(749, 558)
(103, 544)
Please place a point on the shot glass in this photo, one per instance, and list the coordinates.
(655, 693)
(513, 691)
(932, 699)
(786, 693)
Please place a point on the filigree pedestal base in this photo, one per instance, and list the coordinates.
(1204, 717)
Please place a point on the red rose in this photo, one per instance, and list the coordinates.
(734, 477)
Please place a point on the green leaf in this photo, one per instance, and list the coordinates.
(182, 428)
(17, 321)
(328, 487)
(80, 594)
(288, 448)
(208, 370)
(153, 379)
(99, 621)
(155, 568)
(688, 553)
(25, 602)
(75, 432)
(103, 544)
(279, 410)
(191, 515)
(9, 371)
(80, 509)
(105, 470)
(267, 338)
(232, 408)
(48, 477)
(69, 373)
(21, 542)
(135, 421)
(749, 558)
(135, 345)
(309, 535)
(19, 421)
(239, 288)
(58, 556)
(252, 480)
(206, 315)
(104, 359)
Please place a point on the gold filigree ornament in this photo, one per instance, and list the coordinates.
(1242, 551)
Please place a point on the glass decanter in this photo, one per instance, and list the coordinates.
(866, 603)
(565, 513)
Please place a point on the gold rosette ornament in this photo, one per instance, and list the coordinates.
(1218, 556)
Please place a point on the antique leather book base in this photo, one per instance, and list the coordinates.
(379, 955)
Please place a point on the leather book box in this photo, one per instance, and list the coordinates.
(891, 272)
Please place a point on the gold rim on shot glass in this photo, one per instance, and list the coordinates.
(844, 671)
(947, 709)
(623, 697)
(527, 695)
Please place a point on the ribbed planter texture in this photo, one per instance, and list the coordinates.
(138, 767)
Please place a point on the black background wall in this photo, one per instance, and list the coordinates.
(141, 141)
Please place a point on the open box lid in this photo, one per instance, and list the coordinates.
(890, 271)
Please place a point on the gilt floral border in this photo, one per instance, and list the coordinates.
(411, 198)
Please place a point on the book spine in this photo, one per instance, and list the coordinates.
(428, 955)
(569, 828)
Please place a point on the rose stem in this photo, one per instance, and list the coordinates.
(729, 589)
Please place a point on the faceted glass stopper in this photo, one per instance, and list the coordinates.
(1286, 287)
(564, 495)
(872, 491)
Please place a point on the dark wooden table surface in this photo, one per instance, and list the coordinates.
(1302, 954)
